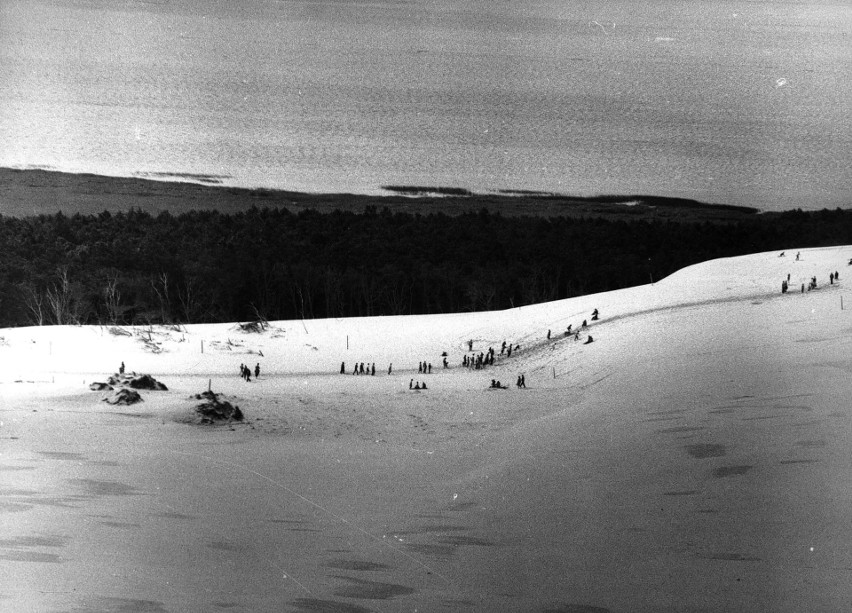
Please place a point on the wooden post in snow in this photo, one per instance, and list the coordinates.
(202, 345)
(209, 385)
(347, 342)
(554, 371)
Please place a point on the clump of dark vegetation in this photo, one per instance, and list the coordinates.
(139, 382)
(213, 409)
(272, 264)
(146, 382)
(124, 396)
(127, 384)
(254, 326)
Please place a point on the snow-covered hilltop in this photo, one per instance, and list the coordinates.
(693, 457)
(318, 346)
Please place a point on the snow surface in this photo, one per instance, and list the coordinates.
(694, 457)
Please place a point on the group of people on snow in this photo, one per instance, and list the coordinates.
(520, 383)
(812, 283)
(361, 369)
(245, 371)
(569, 331)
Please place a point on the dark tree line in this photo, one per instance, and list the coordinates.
(204, 266)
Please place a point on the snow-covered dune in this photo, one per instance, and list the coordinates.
(694, 457)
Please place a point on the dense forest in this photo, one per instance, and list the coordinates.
(206, 266)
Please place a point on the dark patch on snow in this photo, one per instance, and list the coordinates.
(731, 471)
(705, 450)
(371, 590)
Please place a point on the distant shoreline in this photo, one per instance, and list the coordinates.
(35, 191)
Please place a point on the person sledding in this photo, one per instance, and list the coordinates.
(595, 315)
(589, 340)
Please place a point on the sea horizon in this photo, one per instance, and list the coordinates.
(715, 102)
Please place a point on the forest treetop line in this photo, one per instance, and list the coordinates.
(206, 266)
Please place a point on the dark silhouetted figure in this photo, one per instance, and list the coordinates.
(121, 369)
(343, 368)
(470, 342)
(410, 383)
(446, 364)
(589, 340)
(548, 334)
(257, 370)
(390, 367)
(373, 370)
(595, 315)
(423, 387)
(417, 385)
(361, 370)
(430, 368)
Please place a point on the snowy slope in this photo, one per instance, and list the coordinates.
(693, 457)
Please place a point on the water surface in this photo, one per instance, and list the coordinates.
(735, 102)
